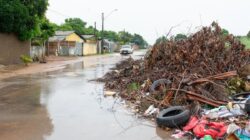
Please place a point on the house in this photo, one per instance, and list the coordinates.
(110, 46)
(12, 48)
(65, 43)
(90, 46)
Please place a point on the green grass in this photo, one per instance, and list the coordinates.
(246, 41)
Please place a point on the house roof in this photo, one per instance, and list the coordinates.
(56, 38)
(61, 35)
(88, 36)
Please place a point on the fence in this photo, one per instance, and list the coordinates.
(37, 52)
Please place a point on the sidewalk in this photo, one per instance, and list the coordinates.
(53, 63)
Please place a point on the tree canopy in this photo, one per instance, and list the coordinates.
(111, 35)
(22, 17)
(76, 24)
(122, 37)
(138, 40)
(125, 37)
(180, 37)
(248, 34)
(161, 40)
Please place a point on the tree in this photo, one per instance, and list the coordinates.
(124, 37)
(161, 40)
(46, 29)
(180, 37)
(138, 40)
(111, 35)
(75, 24)
(248, 34)
(64, 27)
(90, 30)
(22, 17)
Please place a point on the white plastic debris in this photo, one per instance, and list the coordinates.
(151, 110)
(232, 128)
(109, 93)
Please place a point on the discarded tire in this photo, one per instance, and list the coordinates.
(247, 106)
(173, 117)
(241, 96)
(158, 83)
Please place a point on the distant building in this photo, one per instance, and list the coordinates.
(110, 46)
(65, 43)
(90, 46)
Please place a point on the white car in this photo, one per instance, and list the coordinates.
(126, 49)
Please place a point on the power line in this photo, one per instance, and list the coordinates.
(59, 13)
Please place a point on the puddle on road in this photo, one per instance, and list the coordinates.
(64, 105)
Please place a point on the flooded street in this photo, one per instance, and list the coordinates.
(65, 105)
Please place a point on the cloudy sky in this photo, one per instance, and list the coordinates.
(154, 18)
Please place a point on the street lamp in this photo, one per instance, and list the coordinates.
(103, 18)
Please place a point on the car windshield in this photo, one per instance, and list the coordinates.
(126, 47)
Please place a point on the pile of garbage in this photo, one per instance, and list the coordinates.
(195, 75)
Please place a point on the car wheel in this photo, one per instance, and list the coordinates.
(173, 117)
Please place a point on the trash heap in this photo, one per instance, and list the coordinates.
(203, 71)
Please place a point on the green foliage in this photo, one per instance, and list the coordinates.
(180, 37)
(235, 85)
(133, 86)
(248, 34)
(47, 29)
(22, 17)
(75, 24)
(246, 41)
(225, 32)
(80, 26)
(26, 59)
(124, 37)
(161, 40)
(64, 27)
(138, 40)
(89, 31)
(111, 35)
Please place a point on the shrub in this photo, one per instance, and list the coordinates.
(26, 59)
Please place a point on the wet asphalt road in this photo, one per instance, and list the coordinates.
(65, 105)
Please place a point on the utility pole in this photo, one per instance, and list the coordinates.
(95, 29)
(102, 42)
(102, 34)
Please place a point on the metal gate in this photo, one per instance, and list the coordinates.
(79, 49)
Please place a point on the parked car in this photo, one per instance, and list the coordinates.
(126, 49)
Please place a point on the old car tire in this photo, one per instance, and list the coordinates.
(245, 95)
(158, 82)
(247, 106)
(173, 117)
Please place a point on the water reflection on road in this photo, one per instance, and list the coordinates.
(65, 105)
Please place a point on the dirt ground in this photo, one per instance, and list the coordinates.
(53, 63)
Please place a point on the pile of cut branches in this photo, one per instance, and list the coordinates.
(198, 68)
